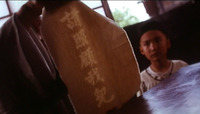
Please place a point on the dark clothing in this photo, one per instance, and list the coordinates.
(29, 82)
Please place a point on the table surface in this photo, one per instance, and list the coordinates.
(178, 94)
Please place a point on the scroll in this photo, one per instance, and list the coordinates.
(94, 57)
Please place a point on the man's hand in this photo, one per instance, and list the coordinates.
(29, 15)
(30, 12)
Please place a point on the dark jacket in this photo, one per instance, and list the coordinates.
(29, 82)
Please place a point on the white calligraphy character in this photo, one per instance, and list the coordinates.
(80, 39)
(100, 96)
(72, 18)
(94, 76)
(87, 58)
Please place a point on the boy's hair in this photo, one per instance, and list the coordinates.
(150, 25)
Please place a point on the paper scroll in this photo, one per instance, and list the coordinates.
(94, 57)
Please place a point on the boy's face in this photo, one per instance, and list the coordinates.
(154, 45)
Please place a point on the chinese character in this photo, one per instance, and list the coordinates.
(72, 18)
(87, 58)
(94, 77)
(100, 96)
(80, 39)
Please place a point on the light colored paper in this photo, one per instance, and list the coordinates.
(93, 56)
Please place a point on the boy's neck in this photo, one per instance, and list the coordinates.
(160, 66)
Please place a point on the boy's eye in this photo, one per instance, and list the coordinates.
(158, 39)
(146, 43)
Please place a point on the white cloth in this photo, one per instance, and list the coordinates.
(149, 78)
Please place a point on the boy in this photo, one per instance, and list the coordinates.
(154, 45)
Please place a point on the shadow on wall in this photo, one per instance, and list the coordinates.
(183, 28)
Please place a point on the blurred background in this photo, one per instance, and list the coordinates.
(122, 12)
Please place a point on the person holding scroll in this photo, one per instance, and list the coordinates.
(29, 80)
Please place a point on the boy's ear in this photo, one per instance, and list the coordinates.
(168, 43)
(141, 50)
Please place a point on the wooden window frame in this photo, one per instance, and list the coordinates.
(107, 9)
(9, 10)
(104, 5)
